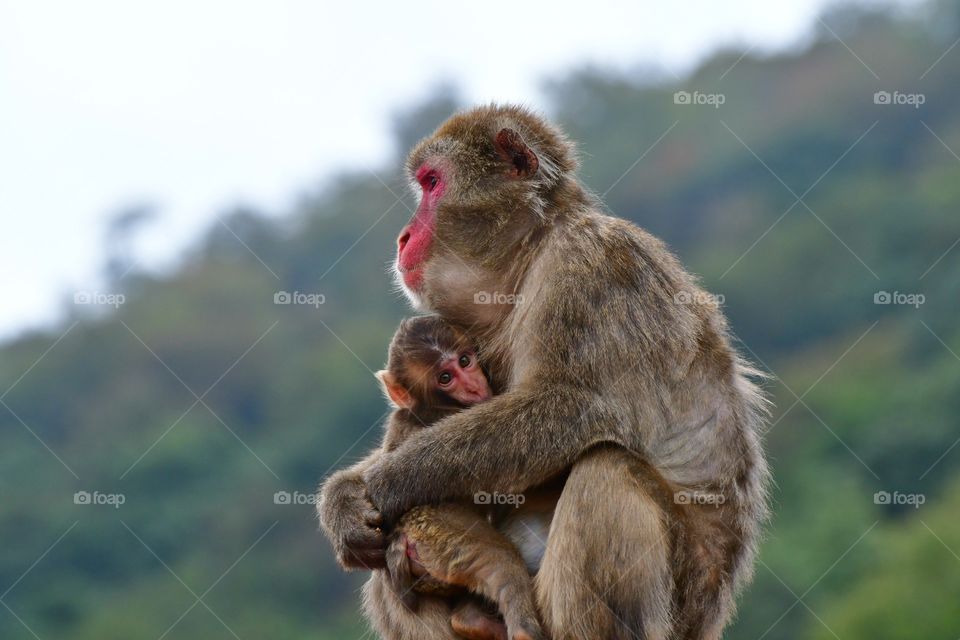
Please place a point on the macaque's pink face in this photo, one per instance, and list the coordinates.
(461, 378)
(415, 239)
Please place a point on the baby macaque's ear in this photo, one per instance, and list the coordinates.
(395, 392)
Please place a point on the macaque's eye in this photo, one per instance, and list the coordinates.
(445, 378)
(464, 361)
(430, 181)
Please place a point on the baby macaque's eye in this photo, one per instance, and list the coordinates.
(445, 378)
(464, 361)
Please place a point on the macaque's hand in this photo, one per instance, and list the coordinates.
(383, 487)
(449, 461)
(352, 523)
(389, 487)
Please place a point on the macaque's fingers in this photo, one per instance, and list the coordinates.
(372, 517)
(364, 538)
(378, 490)
(369, 559)
(363, 548)
(384, 491)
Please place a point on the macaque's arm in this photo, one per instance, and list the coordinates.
(515, 441)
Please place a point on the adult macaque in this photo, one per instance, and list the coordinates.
(617, 367)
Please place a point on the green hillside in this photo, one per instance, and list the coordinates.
(799, 199)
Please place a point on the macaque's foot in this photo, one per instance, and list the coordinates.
(522, 622)
(470, 621)
(528, 631)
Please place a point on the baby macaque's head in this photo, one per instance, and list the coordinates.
(431, 365)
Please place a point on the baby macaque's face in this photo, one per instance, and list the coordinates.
(460, 377)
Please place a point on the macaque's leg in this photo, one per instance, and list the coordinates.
(393, 620)
(455, 544)
(607, 569)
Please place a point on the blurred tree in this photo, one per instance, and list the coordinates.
(120, 235)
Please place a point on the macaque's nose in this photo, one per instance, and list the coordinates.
(402, 241)
(480, 391)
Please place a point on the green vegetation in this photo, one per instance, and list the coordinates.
(199, 398)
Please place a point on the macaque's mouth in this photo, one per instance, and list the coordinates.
(407, 263)
(408, 268)
(412, 276)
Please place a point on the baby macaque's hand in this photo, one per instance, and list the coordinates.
(352, 523)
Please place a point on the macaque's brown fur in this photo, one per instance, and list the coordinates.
(458, 548)
(617, 367)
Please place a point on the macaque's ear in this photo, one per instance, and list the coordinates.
(396, 392)
(513, 149)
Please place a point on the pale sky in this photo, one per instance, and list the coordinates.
(202, 104)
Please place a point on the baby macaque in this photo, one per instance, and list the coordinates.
(432, 372)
